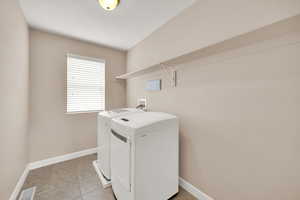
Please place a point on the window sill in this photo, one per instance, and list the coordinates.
(83, 112)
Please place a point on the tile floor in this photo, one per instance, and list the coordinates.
(74, 180)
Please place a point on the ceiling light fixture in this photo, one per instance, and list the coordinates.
(109, 4)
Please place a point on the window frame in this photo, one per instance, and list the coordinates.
(66, 83)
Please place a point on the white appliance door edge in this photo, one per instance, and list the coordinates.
(121, 159)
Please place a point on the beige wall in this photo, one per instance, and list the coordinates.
(14, 95)
(239, 111)
(52, 132)
(208, 22)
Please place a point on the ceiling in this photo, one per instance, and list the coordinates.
(121, 28)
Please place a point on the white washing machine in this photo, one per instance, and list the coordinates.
(102, 165)
(144, 156)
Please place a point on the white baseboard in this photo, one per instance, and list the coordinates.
(20, 184)
(58, 159)
(193, 190)
(46, 162)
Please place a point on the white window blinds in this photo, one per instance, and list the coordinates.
(85, 84)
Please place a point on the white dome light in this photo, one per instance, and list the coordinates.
(109, 4)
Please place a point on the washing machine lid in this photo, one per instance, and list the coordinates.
(142, 119)
(119, 112)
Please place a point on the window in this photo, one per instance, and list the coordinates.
(85, 84)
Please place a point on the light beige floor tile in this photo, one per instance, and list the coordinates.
(98, 195)
(74, 180)
(183, 195)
